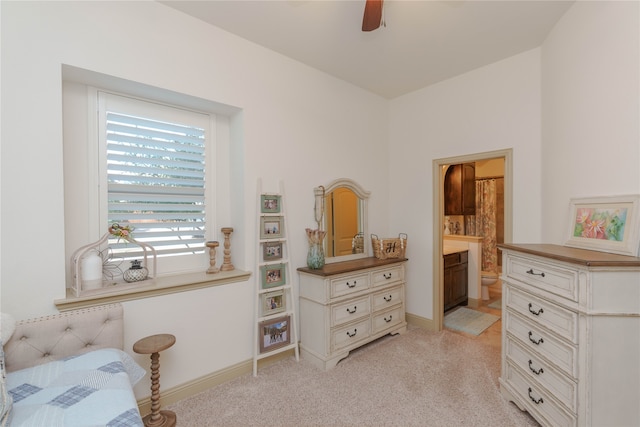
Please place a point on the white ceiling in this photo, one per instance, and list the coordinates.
(423, 42)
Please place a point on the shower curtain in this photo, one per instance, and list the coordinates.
(486, 222)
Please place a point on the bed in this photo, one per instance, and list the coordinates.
(69, 369)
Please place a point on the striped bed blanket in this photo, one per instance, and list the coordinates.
(90, 389)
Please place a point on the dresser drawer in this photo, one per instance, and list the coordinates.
(546, 276)
(349, 285)
(387, 319)
(537, 340)
(560, 320)
(387, 298)
(351, 310)
(561, 386)
(538, 399)
(387, 276)
(349, 335)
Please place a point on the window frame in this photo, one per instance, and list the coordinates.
(227, 202)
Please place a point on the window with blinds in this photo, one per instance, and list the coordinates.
(155, 178)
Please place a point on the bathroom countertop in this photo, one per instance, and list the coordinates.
(462, 238)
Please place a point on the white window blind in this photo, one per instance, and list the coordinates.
(156, 183)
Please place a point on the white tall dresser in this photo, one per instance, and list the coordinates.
(347, 304)
(571, 335)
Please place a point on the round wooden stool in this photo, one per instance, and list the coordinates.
(153, 345)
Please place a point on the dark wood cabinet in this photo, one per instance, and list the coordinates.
(460, 190)
(456, 281)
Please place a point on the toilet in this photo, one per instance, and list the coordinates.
(488, 278)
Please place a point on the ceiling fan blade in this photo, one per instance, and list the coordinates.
(372, 15)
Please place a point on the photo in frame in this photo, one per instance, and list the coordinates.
(274, 333)
(272, 275)
(269, 203)
(271, 251)
(271, 227)
(606, 224)
(272, 303)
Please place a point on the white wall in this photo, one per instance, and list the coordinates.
(590, 104)
(493, 108)
(584, 79)
(570, 111)
(293, 123)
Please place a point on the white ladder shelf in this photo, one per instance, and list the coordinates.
(275, 317)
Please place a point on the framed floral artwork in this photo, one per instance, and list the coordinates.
(606, 224)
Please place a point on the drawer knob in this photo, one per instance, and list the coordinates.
(388, 299)
(537, 313)
(355, 331)
(537, 372)
(387, 275)
(540, 341)
(389, 319)
(349, 285)
(530, 271)
(533, 399)
(355, 308)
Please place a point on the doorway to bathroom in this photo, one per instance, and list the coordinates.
(463, 223)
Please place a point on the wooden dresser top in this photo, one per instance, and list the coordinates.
(349, 266)
(574, 255)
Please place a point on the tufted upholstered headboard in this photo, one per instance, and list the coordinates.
(47, 338)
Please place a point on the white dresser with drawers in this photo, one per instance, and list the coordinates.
(347, 304)
(571, 335)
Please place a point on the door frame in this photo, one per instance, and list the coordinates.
(438, 214)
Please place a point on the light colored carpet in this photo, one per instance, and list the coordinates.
(470, 321)
(496, 304)
(420, 378)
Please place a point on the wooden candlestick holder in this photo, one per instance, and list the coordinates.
(212, 257)
(226, 264)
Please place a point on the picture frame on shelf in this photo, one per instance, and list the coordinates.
(606, 224)
(273, 303)
(273, 275)
(269, 203)
(271, 251)
(271, 227)
(274, 333)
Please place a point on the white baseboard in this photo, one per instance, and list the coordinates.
(421, 322)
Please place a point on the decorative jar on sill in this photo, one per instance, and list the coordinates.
(136, 273)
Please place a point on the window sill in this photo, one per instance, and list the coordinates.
(150, 288)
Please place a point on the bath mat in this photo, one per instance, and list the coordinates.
(469, 321)
(496, 304)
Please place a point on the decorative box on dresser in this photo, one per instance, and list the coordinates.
(571, 335)
(347, 304)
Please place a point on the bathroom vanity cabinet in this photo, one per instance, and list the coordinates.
(571, 335)
(456, 279)
(460, 190)
(347, 304)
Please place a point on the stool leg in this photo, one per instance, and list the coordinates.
(157, 417)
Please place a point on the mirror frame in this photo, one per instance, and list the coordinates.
(363, 195)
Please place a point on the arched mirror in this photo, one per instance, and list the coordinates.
(345, 220)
